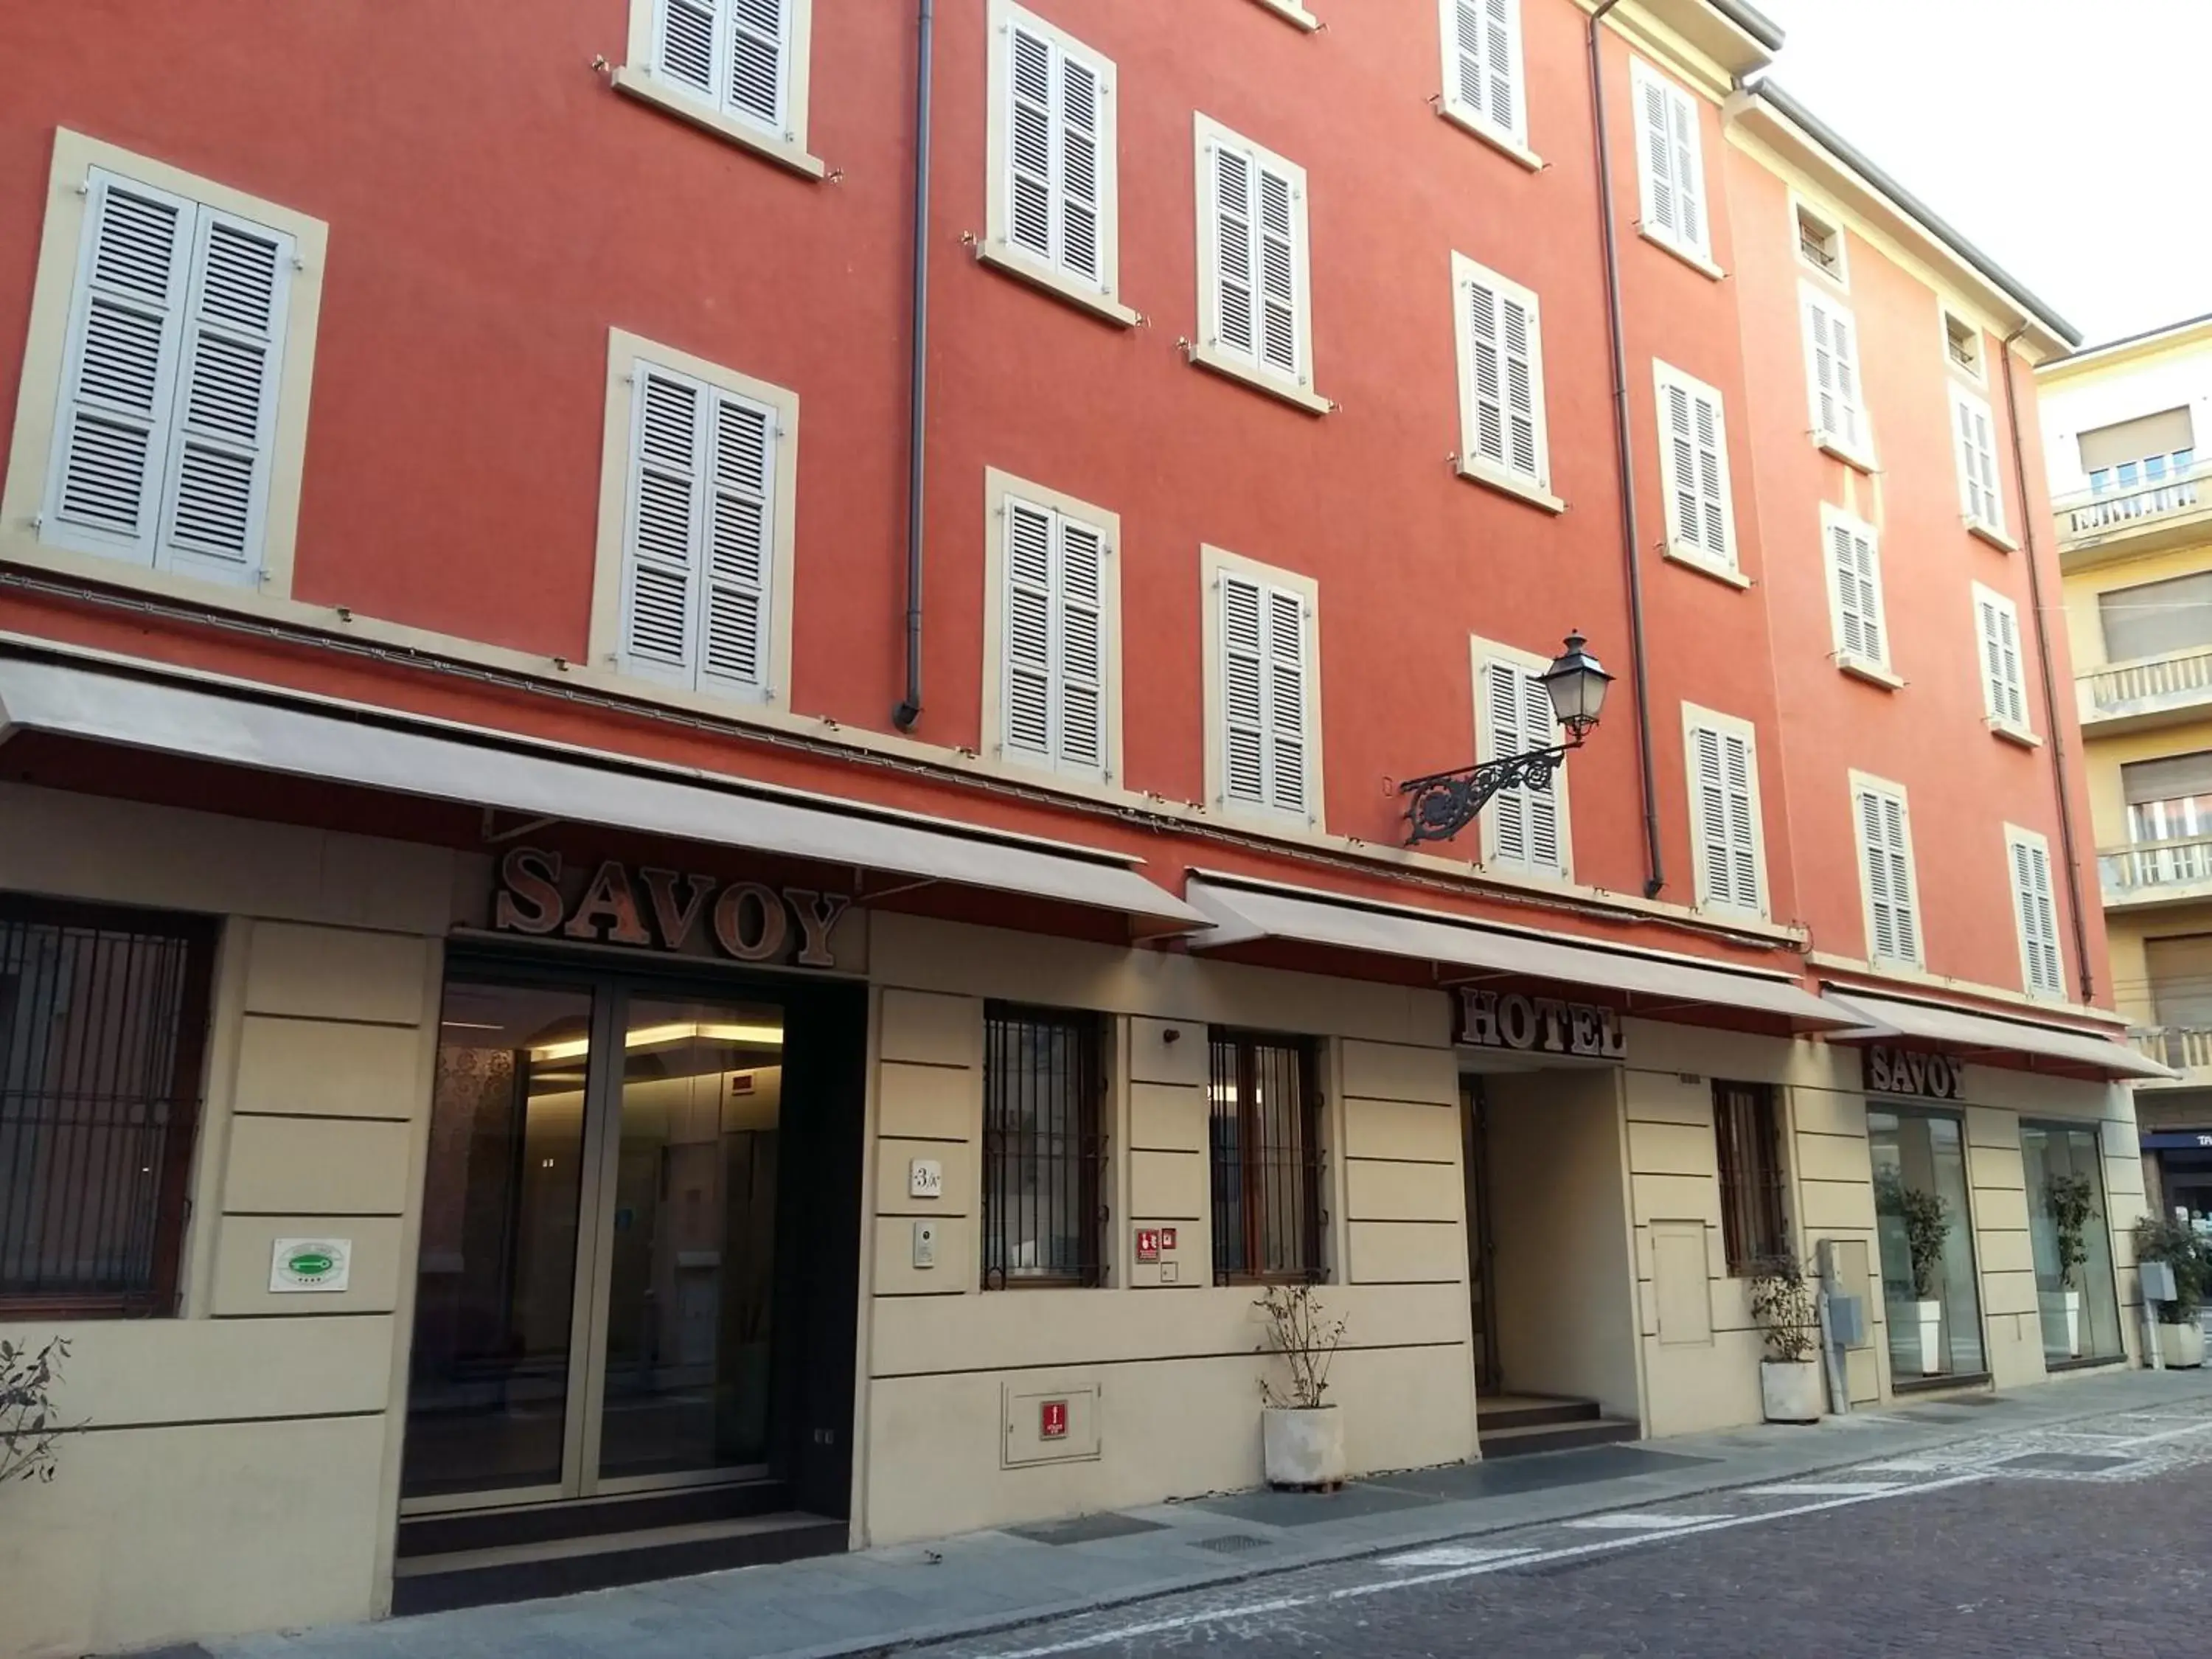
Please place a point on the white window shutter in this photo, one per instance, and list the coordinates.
(1660, 203)
(217, 484)
(2001, 660)
(118, 395)
(1081, 631)
(1688, 168)
(1496, 439)
(683, 48)
(1709, 432)
(1243, 691)
(734, 54)
(738, 551)
(1080, 196)
(1278, 272)
(1840, 333)
(759, 35)
(661, 568)
(1234, 237)
(1856, 574)
(1503, 683)
(1978, 493)
(1502, 56)
(1682, 466)
(1726, 820)
(2038, 924)
(1695, 436)
(1887, 847)
(1286, 700)
(1874, 852)
(1523, 427)
(1030, 531)
(1030, 146)
(1986, 454)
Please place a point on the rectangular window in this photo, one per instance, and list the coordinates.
(2157, 619)
(103, 1021)
(1933, 1313)
(165, 432)
(1482, 67)
(1832, 358)
(1724, 824)
(2123, 455)
(1044, 1156)
(1053, 189)
(1266, 1155)
(1254, 307)
(1820, 243)
(1892, 890)
(735, 55)
(1962, 344)
(1501, 378)
(2042, 974)
(1523, 828)
(1054, 677)
(1694, 470)
(700, 536)
(1747, 1132)
(1263, 689)
(1854, 556)
(2004, 693)
(1671, 157)
(1974, 440)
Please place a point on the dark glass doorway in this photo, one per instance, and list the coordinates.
(1474, 1129)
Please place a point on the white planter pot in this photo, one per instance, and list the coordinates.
(1305, 1446)
(1792, 1389)
(2182, 1345)
(1931, 1315)
(2074, 1323)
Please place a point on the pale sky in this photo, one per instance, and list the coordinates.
(2057, 136)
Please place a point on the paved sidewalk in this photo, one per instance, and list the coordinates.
(878, 1601)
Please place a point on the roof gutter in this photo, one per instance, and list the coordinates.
(1757, 26)
(1932, 222)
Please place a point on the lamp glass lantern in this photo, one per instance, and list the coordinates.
(1576, 683)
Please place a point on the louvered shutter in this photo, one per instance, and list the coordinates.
(1030, 532)
(1256, 279)
(1243, 691)
(1279, 277)
(1835, 373)
(1485, 59)
(1082, 638)
(1234, 238)
(1286, 700)
(1742, 818)
(1697, 501)
(2000, 629)
(1079, 169)
(1727, 817)
(1886, 847)
(1659, 205)
(1689, 168)
(1054, 653)
(1055, 156)
(740, 515)
(1524, 826)
(734, 53)
(126, 320)
(2039, 922)
(1858, 594)
(1900, 851)
(759, 36)
(661, 568)
(1504, 379)
(1030, 145)
(684, 54)
(1978, 464)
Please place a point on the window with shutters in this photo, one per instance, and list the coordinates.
(1255, 305)
(1670, 164)
(694, 564)
(1852, 548)
(2043, 973)
(1884, 830)
(1501, 383)
(1053, 667)
(1832, 371)
(1726, 841)
(2004, 682)
(1524, 829)
(1973, 442)
(1262, 689)
(1052, 201)
(736, 68)
(1693, 472)
(1484, 90)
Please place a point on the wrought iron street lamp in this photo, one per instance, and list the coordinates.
(1445, 802)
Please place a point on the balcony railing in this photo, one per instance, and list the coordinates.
(2119, 509)
(2185, 1047)
(2167, 680)
(2142, 869)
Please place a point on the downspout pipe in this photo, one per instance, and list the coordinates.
(909, 708)
(2053, 726)
(1655, 868)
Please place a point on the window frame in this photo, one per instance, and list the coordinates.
(1801, 208)
(2032, 979)
(1000, 488)
(1481, 654)
(1093, 1086)
(996, 248)
(1213, 561)
(1863, 784)
(625, 353)
(1963, 401)
(640, 78)
(1882, 669)
(1977, 373)
(1207, 350)
(32, 453)
(1699, 252)
(1244, 1044)
(1666, 377)
(170, 1217)
(1754, 1202)
(1512, 139)
(1859, 453)
(1696, 719)
(1472, 465)
(2023, 729)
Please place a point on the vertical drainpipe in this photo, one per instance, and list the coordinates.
(2051, 725)
(909, 709)
(1655, 869)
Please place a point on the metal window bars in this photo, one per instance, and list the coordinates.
(1752, 1229)
(103, 1016)
(1266, 1160)
(1042, 1151)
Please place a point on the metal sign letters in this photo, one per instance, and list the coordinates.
(1494, 1019)
(1909, 1072)
(746, 919)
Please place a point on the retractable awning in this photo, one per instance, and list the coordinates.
(1875, 1017)
(1655, 985)
(481, 768)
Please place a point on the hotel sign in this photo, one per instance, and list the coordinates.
(1890, 1071)
(656, 909)
(1547, 1025)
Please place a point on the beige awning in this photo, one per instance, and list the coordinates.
(478, 767)
(1877, 1017)
(1656, 984)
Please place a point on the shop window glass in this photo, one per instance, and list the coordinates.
(1266, 1159)
(1751, 1226)
(1926, 1233)
(103, 1020)
(2063, 1162)
(1042, 1147)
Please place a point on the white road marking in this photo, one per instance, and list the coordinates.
(1645, 1521)
(1449, 1555)
(1823, 1488)
(1446, 1575)
(2169, 1434)
(1903, 1466)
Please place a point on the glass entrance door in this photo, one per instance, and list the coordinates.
(1474, 1125)
(598, 1245)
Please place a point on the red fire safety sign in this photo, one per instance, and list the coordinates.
(1052, 1420)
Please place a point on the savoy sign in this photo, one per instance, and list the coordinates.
(1496, 1020)
(748, 920)
(1908, 1072)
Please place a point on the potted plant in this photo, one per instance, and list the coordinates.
(1783, 1302)
(28, 1426)
(2181, 1338)
(1927, 1219)
(2072, 1201)
(1301, 1434)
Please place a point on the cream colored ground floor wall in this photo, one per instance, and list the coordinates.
(236, 1467)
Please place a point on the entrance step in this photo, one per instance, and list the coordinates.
(1512, 1425)
(521, 1572)
(454, 1532)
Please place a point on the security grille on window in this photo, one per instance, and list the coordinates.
(2004, 689)
(103, 1020)
(1855, 579)
(1526, 827)
(1054, 660)
(1819, 243)
(1962, 344)
(1980, 498)
(1753, 1231)
(1886, 862)
(698, 537)
(1043, 1150)
(1266, 1159)
(734, 54)
(1264, 678)
(1693, 464)
(1482, 65)
(1673, 168)
(1501, 377)
(2033, 909)
(1832, 356)
(1059, 151)
(169, 378)
(1254, 300)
